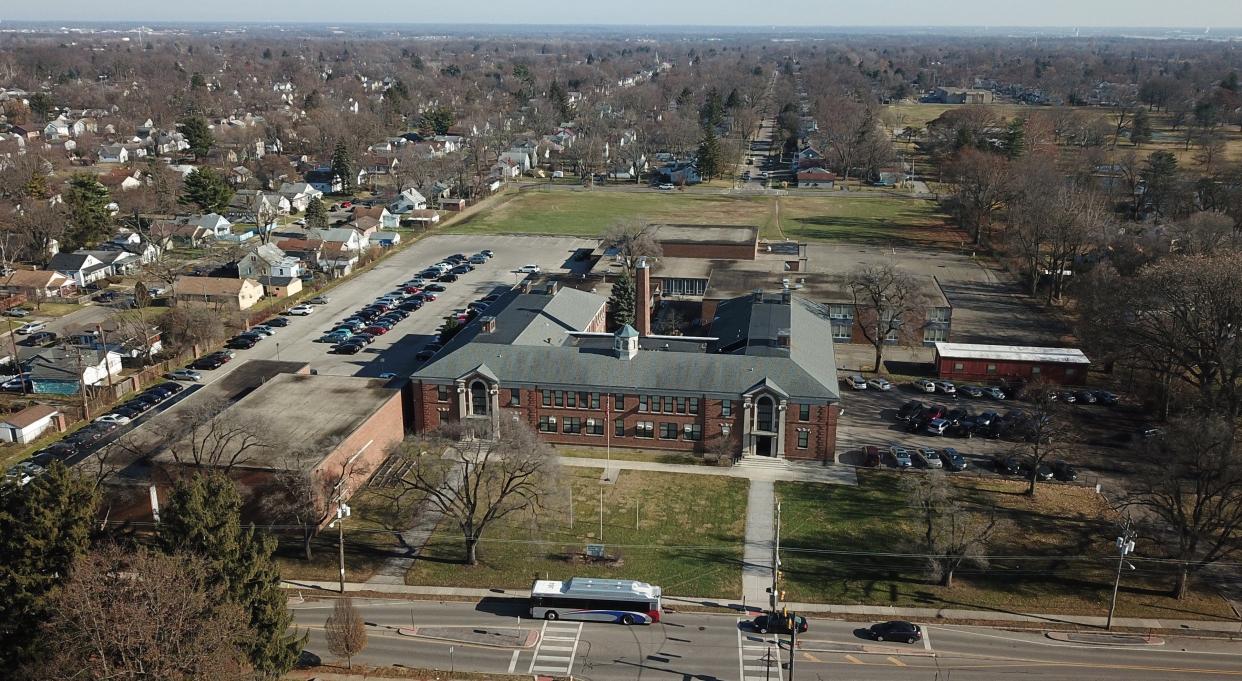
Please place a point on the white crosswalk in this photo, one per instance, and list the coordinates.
(558, 644)
(759, 655)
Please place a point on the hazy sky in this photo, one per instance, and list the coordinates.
(1145, 13)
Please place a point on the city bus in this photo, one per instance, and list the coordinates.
(595, 600)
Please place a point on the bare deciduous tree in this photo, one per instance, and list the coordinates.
(475, 476)
(209, 434)
(132, 615)
(982, 183)
(632, 239)
(1191, 494)
(346, 631)
(888, 306)
(1045, 434)
(952, 535)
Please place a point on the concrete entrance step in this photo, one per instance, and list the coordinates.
(766, 462)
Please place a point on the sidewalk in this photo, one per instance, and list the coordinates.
(877, 612)
(771, 470)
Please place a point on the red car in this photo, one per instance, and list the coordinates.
(375, 330)
(412, 290)
(347, 204)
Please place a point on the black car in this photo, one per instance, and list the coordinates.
(909, 410)
(58, 450)
(1105, 397)
(970, 390)
(1064, 472)
(965, 428)
(916, 424)
(435, 288)
(778, 623)
(128, 412)
(956, 416)
(208, 362)
(277, 321)
(456, 257)
(463, 268)
(170, 385)
(447, 278)
(1042, 472)
(896, 631)
(347, 348)
(1085, 397)
(1006, 465)
(241, 343)
(411, 305)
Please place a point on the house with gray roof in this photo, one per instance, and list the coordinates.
(763, 381)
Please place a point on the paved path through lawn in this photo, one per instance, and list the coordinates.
(760, 533)
(393, 570)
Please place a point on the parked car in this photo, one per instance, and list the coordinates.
(17, 312)
(184, 375)
(277, 322)
(986, 418)
(1085, 397)
(924, 385)
(300, 310)
(263, 330)
(994, 393)
(778, 624)
(898, 630)
(880, 384)
(447, 278)
(937, 426)
(1064, 472)
(213, 361)
(487, 252)
(478, 259)
(665, 187)
(347, 348)
(377, 330)
(113, 418)
(970, 390)
(435, 288)
(30, 327)
(871, 456)
(528, 269)
(22, 473)
(856, 382)
(319, 300)
(241, 343)
(1105, 397)
(945, 387)
(955, 416)
(952, 459)
(1006, 465)
(936, 411)
(900, 457)
(966, 428)
(926, 457)
(910, 410)
(1042, 471)
(425, 354)
(39, 338)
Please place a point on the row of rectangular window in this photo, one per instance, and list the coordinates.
(671, 405)
(574, 425)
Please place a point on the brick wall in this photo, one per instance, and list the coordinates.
(703, 250)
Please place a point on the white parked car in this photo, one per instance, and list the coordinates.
(880, 384)
(926, 385)
(857, 382)
(263, 329)
(31, 327)
(24, 472)
(184, 375)
(946, 387)
(528, 269)
(665, 187)
(301, 310)
(927, 457)
(113, 418)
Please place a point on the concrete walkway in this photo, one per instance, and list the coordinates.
(414, 539)
(306, 589)
(769, 470)
(757, 552)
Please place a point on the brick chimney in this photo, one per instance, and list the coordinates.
(642, 297)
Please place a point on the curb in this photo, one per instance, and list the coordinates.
(1103, 639)
(531, 637)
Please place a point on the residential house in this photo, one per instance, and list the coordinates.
(808, 157)
(38, 284)
(349, 238)
(83, 268)
(453, 204)
(378, 164)
(381, 214)
(407, 201)
(222, 157)
(517, 159)
(124, 339)
(29, 424)
(240, 176)
(215, 224)
(309, 252)
(366, 226)
(57, 129)
(222, 293)
(267, 260)
(118, 261)
(169, 233)
(678, 174)
(422, 218)
(338, 258)
(280, 287)
(450, 143)
(386, 239)
(146, 250)
(26, 132)
(299, 194)
(113, 153)
(816, 177)
(325, 180)
(64, 370)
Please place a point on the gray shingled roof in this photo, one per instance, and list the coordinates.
(805, 371)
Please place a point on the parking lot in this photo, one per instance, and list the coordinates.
(1102, 447)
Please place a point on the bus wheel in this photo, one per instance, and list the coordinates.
(627, 619)
(550, 615)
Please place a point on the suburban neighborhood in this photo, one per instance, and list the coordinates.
(349, 352)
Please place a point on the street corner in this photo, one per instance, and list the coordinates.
(1105, 639)
(493, 637)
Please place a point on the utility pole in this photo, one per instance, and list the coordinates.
(793, 643)
(342, 512)
(1125, 546)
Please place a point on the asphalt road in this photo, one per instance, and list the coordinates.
(713, 647)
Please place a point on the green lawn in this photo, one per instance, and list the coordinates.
(1060, 521)
(705, 512)
(620, 454)
(878, 220)
(589, 213)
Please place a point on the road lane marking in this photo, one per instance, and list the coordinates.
(758, 655)
(926, 638)
(810, 658)
(895, 661)
(513, 660)
(853, 660)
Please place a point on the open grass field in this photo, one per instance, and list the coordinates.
(589, 213)
(704, 515)
(1069, 525)
(873, 219)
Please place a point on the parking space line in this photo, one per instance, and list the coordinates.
(513, 660)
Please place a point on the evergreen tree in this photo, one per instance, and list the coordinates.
(439, 120)
(710, 164)
(1230, 82)
(1140, 128)
(36, 186)
(207, 189)
(1161, 173)
(560, 100)
(343, 166)
(203, 516)
(44, 527)
(621, 302)
(197, 82)
(734, 100)
(198, 134)
(316, 214)
(87, 201)
(267, 53)
(41, 105)
(1014, 142)
(712, 113)
(312, 100)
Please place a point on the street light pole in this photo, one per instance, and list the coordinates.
(342, 512)
(774, 599)
(1125, 546)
